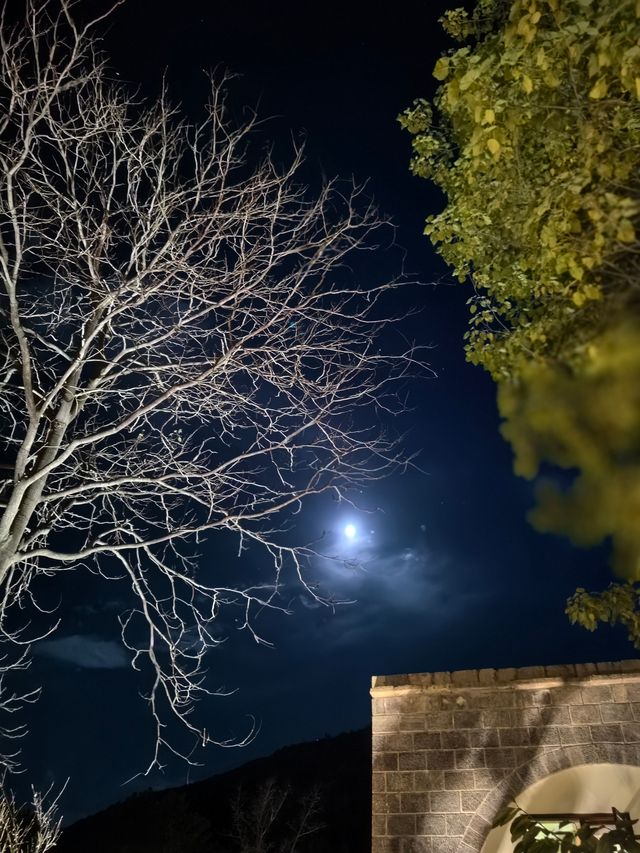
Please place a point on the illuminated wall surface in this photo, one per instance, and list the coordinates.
(450, 750)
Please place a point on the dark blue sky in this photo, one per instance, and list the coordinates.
(452, 576)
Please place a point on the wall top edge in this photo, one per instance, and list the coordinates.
(513, 677)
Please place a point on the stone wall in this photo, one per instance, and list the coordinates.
(451, 749)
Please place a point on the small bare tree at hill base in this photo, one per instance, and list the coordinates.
(183, 350)
(270, 820)
(31, 829)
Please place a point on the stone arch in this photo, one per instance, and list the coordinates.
(543, 765)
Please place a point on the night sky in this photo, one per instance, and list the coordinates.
(451, 575)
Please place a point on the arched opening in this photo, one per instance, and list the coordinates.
(582, 789)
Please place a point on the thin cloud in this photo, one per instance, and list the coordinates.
(88, 652)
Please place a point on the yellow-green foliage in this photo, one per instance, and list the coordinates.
(537, 149)
(534, 137)
(589, 422)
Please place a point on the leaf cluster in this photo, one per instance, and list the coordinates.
(619, 603)
(534, 138)
(530, 835)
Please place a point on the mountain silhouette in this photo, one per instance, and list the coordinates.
(306, 798)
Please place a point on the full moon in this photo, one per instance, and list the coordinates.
(350, 531)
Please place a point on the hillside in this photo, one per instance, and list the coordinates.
(230, 812)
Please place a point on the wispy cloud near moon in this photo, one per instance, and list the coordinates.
(87, 651)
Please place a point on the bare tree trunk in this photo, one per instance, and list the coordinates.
(184, 350)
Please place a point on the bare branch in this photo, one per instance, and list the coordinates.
(186, 351)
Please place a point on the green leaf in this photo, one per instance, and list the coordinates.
(441, 70)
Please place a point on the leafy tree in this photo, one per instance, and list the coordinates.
(534, 137)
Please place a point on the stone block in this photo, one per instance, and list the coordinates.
(585, 714)
(444, 844)
(431, 824)
(608, 668)
(385, 845)
(455, 740)
(414, 803)
(479, 823)
(583, 670)
(400, 680)
(565, 695)
(385, 804)
(467, 719)
(377, 782)
(411, 703)
(445, 801)
(457, 824)
(465, 678)
(533, 698)
(528, 717)
(483, 737)
(421, 679)
(379, 824)
(440, 760)
(616, 712)
(459, 780)
(400, 781)
(515, 737)
(392, 742)
(574, 734)
(427, 740)
(377, 707)
(498, 718)
(401, 824)
(412, 723)
(558, 715)
(619, 692)
(470, 759)
(553, 761)
(485, 780)
(525, 673)
(507, 674)
(486, 676)
(525, 754)
(492, 701)
(631, 732)
(563, 670)
(501, 757)
(418, 844)
(611, 733)
(428, 780)
(476, 839)
(544, 736)
(470, 801)
(412, 760)
(383, 723)
(629, 665)
(439, 720)
(385, 760)
(596, 695)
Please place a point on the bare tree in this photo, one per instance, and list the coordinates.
(183, 350)
(31, 829)
(258, 824)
